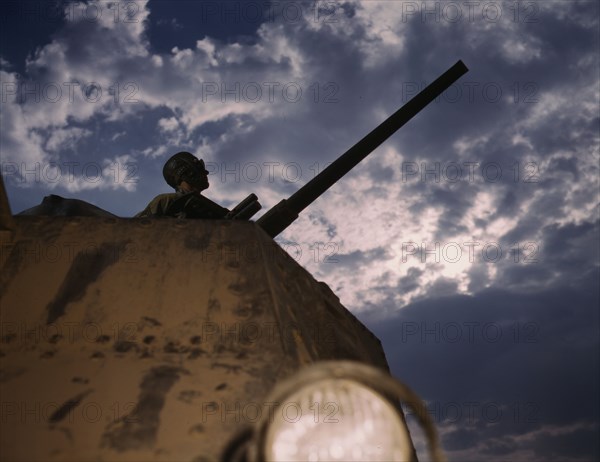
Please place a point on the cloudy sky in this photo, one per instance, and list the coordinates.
(468, 242)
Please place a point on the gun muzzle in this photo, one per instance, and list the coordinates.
(248, 211)
(245, 209)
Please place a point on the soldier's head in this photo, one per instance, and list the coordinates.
(185, 172)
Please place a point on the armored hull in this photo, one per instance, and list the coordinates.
(139, 339)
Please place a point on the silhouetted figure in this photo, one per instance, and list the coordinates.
(188, 176)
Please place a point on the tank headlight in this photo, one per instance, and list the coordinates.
(335, 411)
(336, 420)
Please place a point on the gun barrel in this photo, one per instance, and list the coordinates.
(249, 211)
(283, 214)
(244, 206)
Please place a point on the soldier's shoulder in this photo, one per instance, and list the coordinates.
(166, 196)
(164, 199)
(159, 205)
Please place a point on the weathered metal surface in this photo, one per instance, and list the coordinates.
(6, 220)
(54, 205)
(138, 339)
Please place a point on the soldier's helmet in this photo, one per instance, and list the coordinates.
(184, 166)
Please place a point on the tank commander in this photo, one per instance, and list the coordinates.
(188, 176)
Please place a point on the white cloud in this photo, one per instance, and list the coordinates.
(519, 50)
(118, 173)
(168, 125)
(66, 138)
(19, 142)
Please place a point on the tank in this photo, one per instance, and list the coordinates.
(137, 339)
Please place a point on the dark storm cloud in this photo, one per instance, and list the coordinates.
(454, 199)
(562, 241)
(320, 219)
(558, 252)
(478, 277)
(179, 23)
(563, 164)
(530, 357)
(495, 120)
(353, 261)
(442, 286)
(380, 174)
(40, 19)
(503, 362)
(519, 176)
(410, 282)
(500, 446)
(578, 444)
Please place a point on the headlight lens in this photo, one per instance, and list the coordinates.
(336, 420)
(335, 411)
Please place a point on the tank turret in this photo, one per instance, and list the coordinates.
(148, 339)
